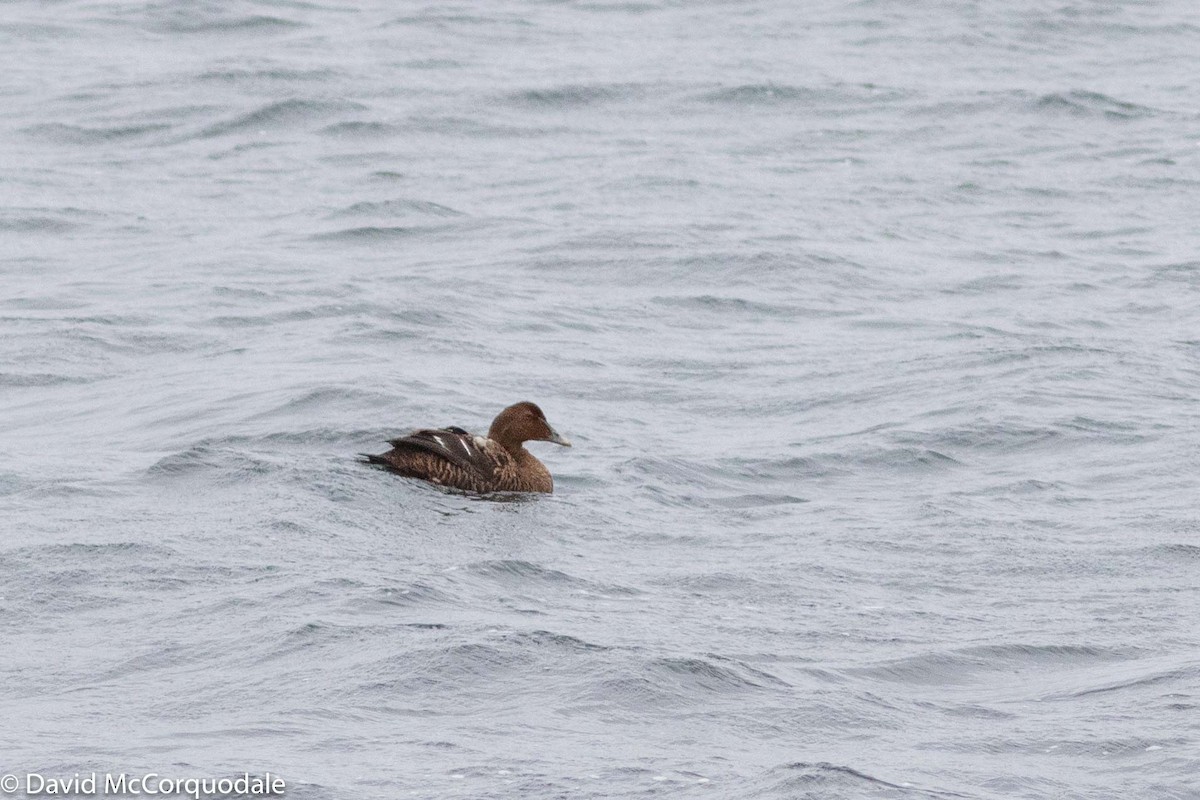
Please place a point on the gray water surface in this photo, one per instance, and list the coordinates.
(874, 325)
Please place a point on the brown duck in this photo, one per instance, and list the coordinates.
(495, 463)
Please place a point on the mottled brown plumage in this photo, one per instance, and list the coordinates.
(498, 463)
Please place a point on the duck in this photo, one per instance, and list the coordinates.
(457, 459)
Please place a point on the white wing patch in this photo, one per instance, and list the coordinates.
(475, 454)
(466, 446)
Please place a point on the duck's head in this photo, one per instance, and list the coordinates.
(523, 422)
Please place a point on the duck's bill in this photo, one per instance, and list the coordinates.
(554, 437)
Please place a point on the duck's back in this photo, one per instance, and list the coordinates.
(454, 458)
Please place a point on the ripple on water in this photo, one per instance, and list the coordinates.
(379, 234)
(515, 573)
(821, 779)
(205, 19)
(284, 114)
(406, 595)
(45, 581)
(751, 309)
(32, 379)
(575, 96)
(648, 686)
(37, 224)
(76, 134)
(268, 75)
(396, 208)
(1094, 105)
(984, 436)
(1159, 674)
(783, 95)
(362, 129)
(716, 674)
(903, 459)
(1181, 552)
(970, 665)
(223, 464)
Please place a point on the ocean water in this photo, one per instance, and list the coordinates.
(875, 326)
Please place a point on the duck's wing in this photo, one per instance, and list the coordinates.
(474, 454)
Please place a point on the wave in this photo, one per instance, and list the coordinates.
(76, 134)
(772, 94)
(422, 317)
(968, 665)
(813, 779)
(451, 125)
(712, 674)
(1092, 104)
(437, 19)
(1181, 676)
(397, 208)
(31, 379)
(37, 224)
(229, 464)
(730, 305)
(525, 574)
(361, 129)
(575, 95)
(377, 234)
(407, 595)
(196, 19)
(256, 76)
(282, 114)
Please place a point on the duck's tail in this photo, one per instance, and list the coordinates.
(371, 459)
